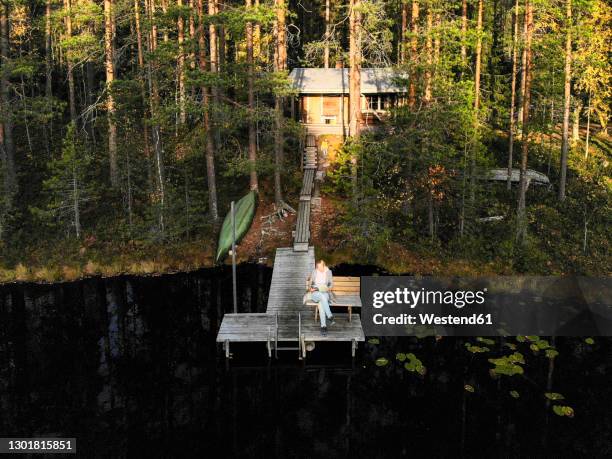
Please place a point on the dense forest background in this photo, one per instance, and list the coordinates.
(127, 127)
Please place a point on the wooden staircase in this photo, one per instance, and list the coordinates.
(309, 160)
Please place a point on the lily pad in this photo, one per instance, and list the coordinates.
(554, 396)
(551, 353)
(469, 388)
(562, 410)
(381, 362)
(373, 341)
(414, 364)
(514, 394)
(589, 341)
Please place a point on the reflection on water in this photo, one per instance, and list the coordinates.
(129, 366)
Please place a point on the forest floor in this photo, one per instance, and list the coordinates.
(92, 257)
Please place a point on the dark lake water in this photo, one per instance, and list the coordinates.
(130, 367)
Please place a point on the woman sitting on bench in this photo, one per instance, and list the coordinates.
(320, 283)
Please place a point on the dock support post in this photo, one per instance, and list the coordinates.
(300, 355)
(226, 346)
(234, 289)
(353, 347)
(276, 337)
(269, 343)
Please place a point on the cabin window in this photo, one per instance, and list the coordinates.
(379, 103)
(329, 119)
(372, 102)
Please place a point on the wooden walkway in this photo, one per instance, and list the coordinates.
(288, 324)
(302, 227)
(306, 192)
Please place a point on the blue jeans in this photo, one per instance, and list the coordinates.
(323, 299)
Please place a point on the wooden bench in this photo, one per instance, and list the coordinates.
(345, 292)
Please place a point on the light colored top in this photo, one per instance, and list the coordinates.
(320, 278)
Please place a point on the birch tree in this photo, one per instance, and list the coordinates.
(521, 212)
(567, 99)
(109, 53)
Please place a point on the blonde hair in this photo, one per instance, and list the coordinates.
(321, 261)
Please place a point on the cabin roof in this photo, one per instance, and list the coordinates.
(336, 81)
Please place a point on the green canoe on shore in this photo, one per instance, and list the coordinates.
(245, 212)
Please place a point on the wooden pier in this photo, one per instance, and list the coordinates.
(288, 324)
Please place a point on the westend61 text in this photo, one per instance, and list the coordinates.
(432, 319)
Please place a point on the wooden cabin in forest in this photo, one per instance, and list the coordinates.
(322, 100)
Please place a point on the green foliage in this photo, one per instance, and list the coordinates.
(412, 363)
(562, 410)
(419, 189)
(509, 365)
(476, 349)
(551, 353)
(69, 186)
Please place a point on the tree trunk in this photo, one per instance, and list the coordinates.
(403, 40)
(429, 57)
(7, 145)
(478, 64)
(210, 146)
(153, 106)
(75, 203)
(251, 100)
(69, 63)
(327, 33)
(477, 70)
(221, 42)
(109, 53)
(567, 99)
(522, 86)
(576, 122)
(193, 12)
(48, 52)
(281, 65)
(355, 69)
(355, 83)
(414, 28)
(180, 64)
(588, 130)
(213, 43)
(436, 42)
(143, 94)
(521, 214)
(463, 33)
(164, 7)
(256, 35)
(513, 93)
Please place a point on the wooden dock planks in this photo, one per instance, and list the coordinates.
(306, 191)
(302, 227)
(286, 318)
(291, 269)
